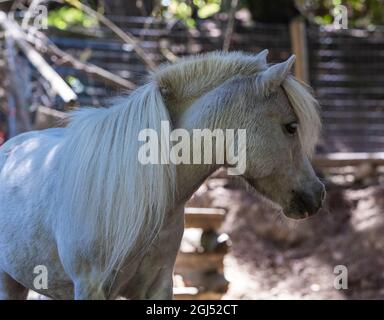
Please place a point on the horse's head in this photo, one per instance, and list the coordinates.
(282, 123)
(280, 116)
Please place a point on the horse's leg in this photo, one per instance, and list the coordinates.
(86, 290)
(163, 293)
(10, 289)
(162, 288)
(84, 274)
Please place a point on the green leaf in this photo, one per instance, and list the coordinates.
(208, 10)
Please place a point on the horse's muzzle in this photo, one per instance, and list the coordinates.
(305, 203)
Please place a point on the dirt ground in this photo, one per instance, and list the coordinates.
(272, 257)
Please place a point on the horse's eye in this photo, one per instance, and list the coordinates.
(291, 128)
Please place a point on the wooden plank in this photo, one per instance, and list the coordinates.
(339, 67)
(348, 159)
(357, 119)
(350, 55)
(353, 139)
(345, 130)
(349, 92)
(348, 103)
(204, 218)
(350, 78)
(198, 261)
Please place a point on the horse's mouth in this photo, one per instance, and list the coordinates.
(303, 206)
(297, 215)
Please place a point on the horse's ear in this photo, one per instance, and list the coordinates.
(276, 74)
(262, 56)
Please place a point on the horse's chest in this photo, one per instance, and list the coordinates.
(155, 270)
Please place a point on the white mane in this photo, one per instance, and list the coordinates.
(110, 198)
(191, 77)
(306, 109)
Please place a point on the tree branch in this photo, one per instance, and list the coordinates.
(230, 25)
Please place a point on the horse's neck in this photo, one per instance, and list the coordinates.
(198, 116)
(186, 94)
(190, 178)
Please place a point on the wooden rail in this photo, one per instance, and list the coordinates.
(198, 261)
(204, 218)
(348, 159)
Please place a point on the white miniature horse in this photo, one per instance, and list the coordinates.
(77, 201)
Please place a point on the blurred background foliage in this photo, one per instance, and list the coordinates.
(67, 17)
(190, 10)
(361, 13)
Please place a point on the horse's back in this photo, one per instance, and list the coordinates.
(27, 177)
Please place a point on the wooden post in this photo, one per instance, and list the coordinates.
(299, 48)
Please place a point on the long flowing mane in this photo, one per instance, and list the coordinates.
(108, 196)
